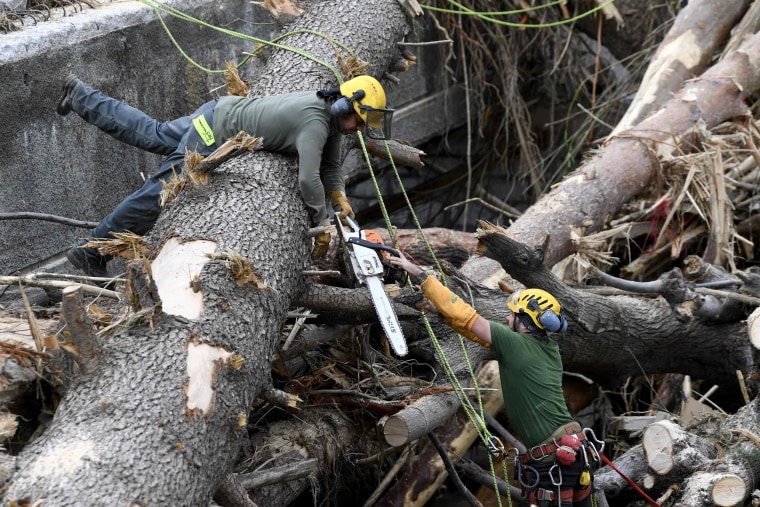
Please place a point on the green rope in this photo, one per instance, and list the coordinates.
(488, 17)
(477, 419)
(159, 7)
(470, 12)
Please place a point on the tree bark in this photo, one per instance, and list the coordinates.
(606, 333)
(161, 420)
(632, 464)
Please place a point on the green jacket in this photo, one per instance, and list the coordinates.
(297, 123)
(531, 381)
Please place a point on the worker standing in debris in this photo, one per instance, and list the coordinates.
(309, 124)
(530, 366)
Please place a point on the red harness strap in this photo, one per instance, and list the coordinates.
(566, 495)
(542, 494)
(542, 450)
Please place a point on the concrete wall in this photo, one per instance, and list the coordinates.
(63, 166)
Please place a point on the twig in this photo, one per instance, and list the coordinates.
(429, 43)
(294, 331)
(76, 278)
(672, 489)
(48, 218)
(322, 229)
(482, 203)
(743, 386)
(331, 272)
(748, 435)
(595, 117)
(377, 457)
(31, 281)
(284, 473)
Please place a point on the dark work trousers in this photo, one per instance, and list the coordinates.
(139, 211)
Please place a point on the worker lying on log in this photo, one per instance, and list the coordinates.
(557, 467)
(309, 124)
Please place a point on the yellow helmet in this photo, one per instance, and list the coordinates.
(367, 97)
(542, 308)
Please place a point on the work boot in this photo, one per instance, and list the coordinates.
(92, 266)
(64, 104)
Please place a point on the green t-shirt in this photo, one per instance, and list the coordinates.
(292, 123)
(531, 380)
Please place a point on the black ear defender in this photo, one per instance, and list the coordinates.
(548, 319)
(344, 105)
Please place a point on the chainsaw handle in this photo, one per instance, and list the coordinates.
(370, 244)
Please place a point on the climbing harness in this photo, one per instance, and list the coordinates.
(541, 451)
(546, 465)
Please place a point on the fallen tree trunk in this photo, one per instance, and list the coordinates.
(627, 164)
(605, 333)
(631, 464)
(161, 419)
(699, 29)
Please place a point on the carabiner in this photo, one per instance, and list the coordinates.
(555, 482)
(593, 439)
(496, 448)
(518, 468)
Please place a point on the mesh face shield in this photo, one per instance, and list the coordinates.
(377, 122)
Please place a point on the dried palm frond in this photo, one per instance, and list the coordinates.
(545, 93)
(697, 203)
(198, 168)
(235, 84)
(279, 7)
(125, 245)
(353, 66)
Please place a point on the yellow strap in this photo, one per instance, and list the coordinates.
(204, 130)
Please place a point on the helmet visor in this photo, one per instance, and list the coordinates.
(378, 122)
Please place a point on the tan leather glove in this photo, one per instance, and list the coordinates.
(458, 315)
(321, 241)
(321, 246)
(340, 203)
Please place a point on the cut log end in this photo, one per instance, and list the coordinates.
(658, 449)
(753, 328)
(396, 431)
(728, 491)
